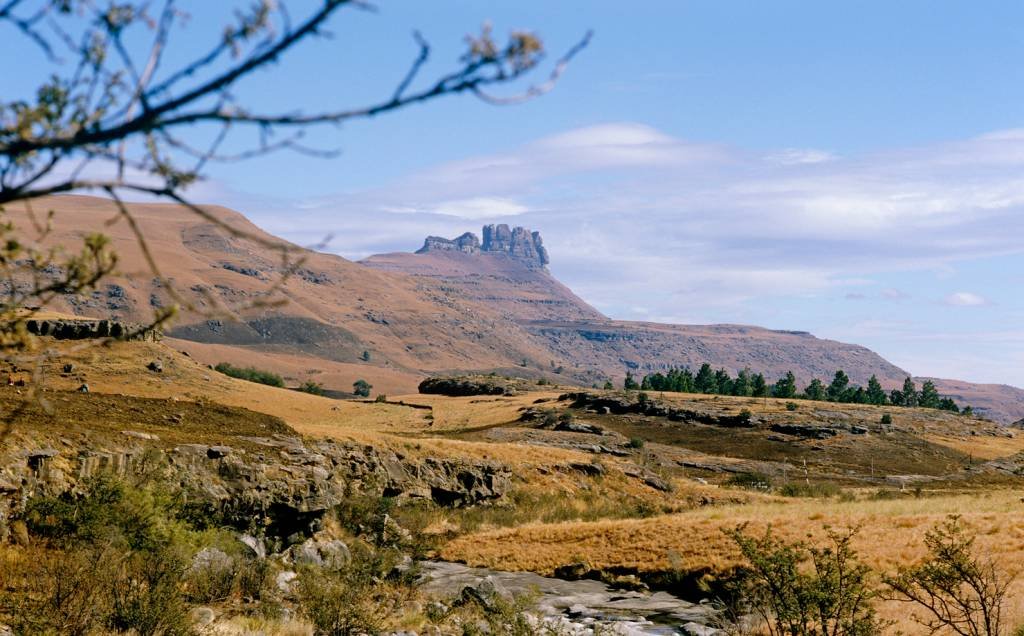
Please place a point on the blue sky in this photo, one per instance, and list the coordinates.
(851, 169)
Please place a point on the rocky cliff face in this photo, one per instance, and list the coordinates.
(517, 242)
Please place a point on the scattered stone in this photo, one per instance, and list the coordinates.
(19, 533)
(257, 549)
(330, 554)
(579, 427)
(211, 559)
(591, 470)
(487, 594)
(218, 452)
(285, 581)
(141, 435)
(805, 431)
(202, 616)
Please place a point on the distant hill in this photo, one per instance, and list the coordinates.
(456, 306)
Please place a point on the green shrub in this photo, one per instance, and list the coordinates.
(797, 489)
(120, 559)
(357, 599)
(832, 594)
(750, 481)
(636, 442)
(381, 398)
(792, 406)
(959, 591)
(361, 388)
(251, 374)
(314, 388)
(886, 419)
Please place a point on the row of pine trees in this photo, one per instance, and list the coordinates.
(749, 384)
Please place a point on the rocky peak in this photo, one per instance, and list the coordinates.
(467, 243)
(517, 242)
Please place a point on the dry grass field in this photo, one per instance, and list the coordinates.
(694, 543)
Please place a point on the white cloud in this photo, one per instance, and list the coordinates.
(481, 208)
(796, 156)
(965, 299)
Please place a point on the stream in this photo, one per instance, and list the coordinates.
(579, 607)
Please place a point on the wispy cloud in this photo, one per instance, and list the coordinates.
(965, 299)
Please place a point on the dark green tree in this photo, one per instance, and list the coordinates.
(897, 398)
(875, 393)
(837, 389)
(929, 397)
(608, 386)
(816, 391)
(743, 386)
(630, 383)
(948, 404)
(724, 382)
(785, 387)
(705, 380)
(910, 394)
(759, 385)
(361, 388)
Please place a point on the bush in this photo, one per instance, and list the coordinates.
(831, 596)
(361, 388)
(750, 481)
(886, 419)
(116, 562)
(792, 406)
(314, 388)
(251, 374)
(958, 590)
(796, 489)
(636, 442)
(381, 398)
(357, 599)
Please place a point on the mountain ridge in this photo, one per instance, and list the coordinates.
(439, 311)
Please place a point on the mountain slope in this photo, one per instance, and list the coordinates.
(460, 305)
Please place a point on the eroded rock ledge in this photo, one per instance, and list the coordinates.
(86, 329)
(282, 483)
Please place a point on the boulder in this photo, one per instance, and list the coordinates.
(330, 554)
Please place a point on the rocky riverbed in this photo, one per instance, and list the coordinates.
(576, 607)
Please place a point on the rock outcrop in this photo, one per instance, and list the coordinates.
(517, 242)
(468, 243)
(86, 329)
(283, 484)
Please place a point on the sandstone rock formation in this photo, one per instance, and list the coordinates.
(517, 242)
